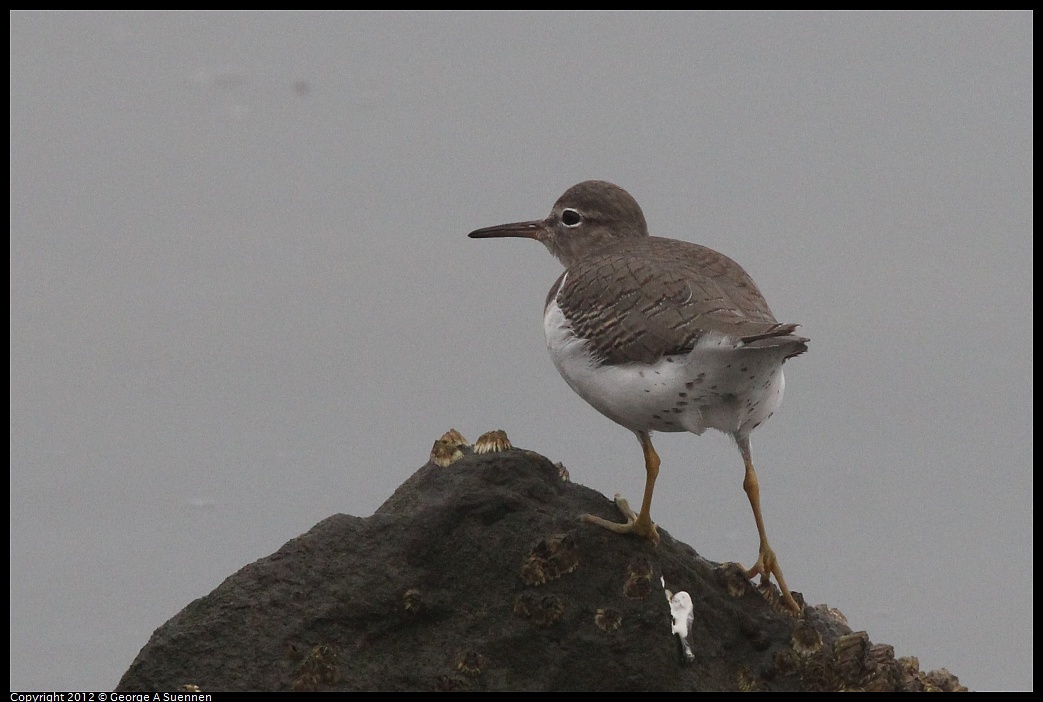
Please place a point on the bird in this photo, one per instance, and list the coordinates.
(659, 335)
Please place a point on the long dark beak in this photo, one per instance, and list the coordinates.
(525, 230)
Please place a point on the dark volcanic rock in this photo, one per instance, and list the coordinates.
(480, 576)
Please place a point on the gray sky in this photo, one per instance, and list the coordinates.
(242, 296)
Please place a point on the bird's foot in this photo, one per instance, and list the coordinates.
(766, 566)
(641, 525)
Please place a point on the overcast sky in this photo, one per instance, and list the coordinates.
(243, 299)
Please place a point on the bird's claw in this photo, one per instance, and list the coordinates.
(644, 528)
(766, 566)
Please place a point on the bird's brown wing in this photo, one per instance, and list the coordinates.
(651, 297)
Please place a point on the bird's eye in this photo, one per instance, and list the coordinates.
(570, 217)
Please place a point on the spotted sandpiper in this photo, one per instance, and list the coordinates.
(659, 335)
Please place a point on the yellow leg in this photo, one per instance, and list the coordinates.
(640, 524)
(766, 565)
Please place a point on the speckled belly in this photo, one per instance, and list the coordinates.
(718, 385)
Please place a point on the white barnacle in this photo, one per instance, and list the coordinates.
(682, 615)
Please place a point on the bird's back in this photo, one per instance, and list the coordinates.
(637, 300)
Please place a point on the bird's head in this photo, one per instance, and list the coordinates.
(586, 218)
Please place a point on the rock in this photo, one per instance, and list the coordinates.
(480, 576)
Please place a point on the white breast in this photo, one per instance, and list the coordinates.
(719, 385)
